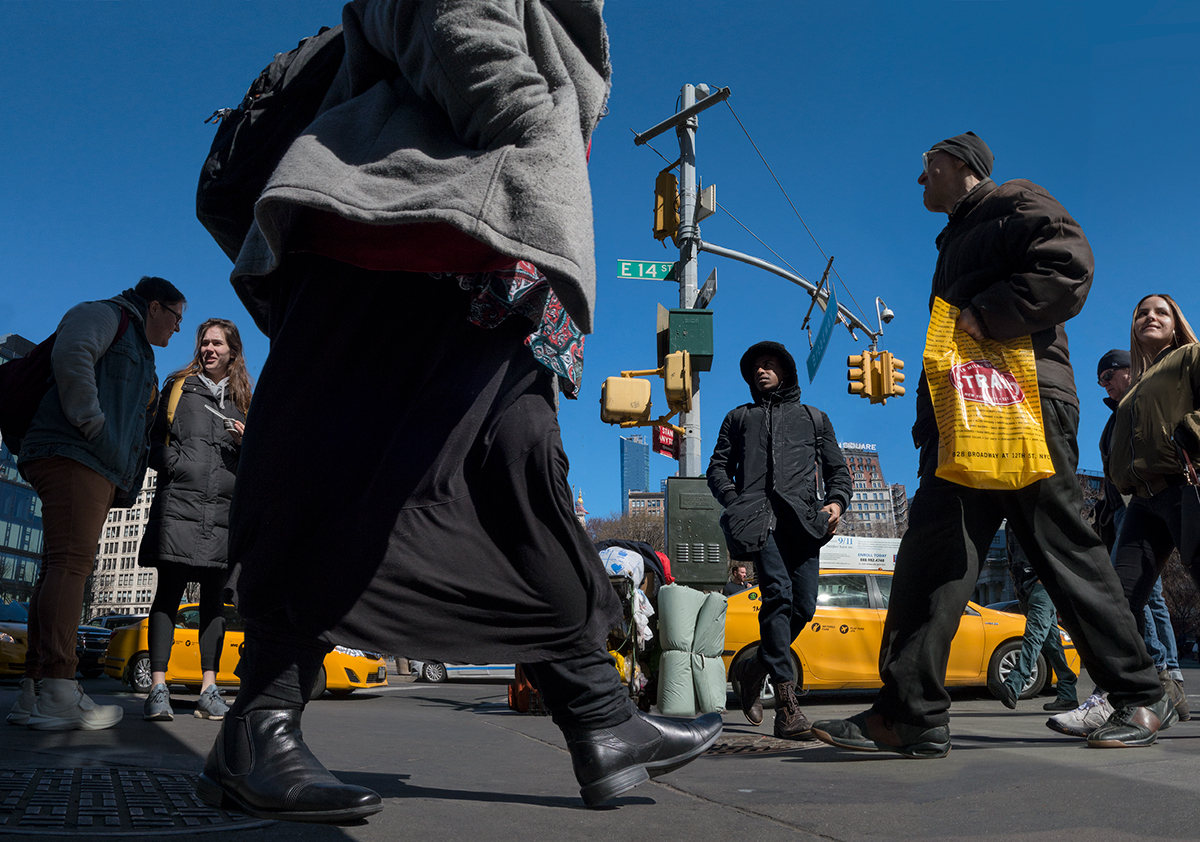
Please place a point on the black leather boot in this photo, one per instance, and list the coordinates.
(260, 766)
(610, 761)
(748, 675)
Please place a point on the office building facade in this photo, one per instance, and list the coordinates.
(635, 468)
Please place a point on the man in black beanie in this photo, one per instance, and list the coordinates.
(1016, 264)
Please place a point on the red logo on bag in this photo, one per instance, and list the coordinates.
(982, 382)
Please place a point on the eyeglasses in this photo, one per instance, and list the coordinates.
(925, 156)
(178, 316)
(1107, 376)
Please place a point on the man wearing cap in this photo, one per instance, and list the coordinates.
(1016, 264)
(771, 459)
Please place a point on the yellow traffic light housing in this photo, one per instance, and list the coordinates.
(890, 375)
(666, 205)
(677, 381)
(626, 401)
(861, 374)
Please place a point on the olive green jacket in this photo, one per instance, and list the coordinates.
(1158, 411)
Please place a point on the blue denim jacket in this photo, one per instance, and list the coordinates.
(126, 385)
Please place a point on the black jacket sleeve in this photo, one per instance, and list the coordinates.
(726, 461)
(1053, 269)
(839, 486)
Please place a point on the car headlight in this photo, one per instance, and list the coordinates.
(5, 637)
(353, 653)
(1066, 638)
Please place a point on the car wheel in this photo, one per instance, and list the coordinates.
(139, 676)
(1005, 659)
(768, 690)
(318, 688)
(433, 672)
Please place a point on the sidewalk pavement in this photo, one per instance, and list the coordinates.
(453, 763)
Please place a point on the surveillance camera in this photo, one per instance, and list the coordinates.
(887, 315)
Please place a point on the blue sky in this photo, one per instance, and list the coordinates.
(104, 138)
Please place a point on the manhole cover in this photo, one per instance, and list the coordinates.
(754, 744)
(104, 801)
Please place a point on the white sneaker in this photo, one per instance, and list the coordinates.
(1085, 719)
(19, 715)
(62, 706)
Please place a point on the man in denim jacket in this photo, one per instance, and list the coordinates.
(85, 453)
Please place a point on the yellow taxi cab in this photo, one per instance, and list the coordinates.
(128, 658)
(839, 648)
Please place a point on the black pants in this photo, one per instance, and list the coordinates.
(950, 528)
(788, 573)
(172, 580)
(280, 663)
(1150, 531)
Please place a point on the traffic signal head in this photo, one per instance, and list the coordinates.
(890, 375)
(625, 400)
(861, 375)
(666, 205)
(677, 380)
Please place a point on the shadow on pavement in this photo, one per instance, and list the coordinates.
(394, 786)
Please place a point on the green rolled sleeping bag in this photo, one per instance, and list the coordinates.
(691, 627)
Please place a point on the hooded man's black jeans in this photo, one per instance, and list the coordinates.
(788, 574)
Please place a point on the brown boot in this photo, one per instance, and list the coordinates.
(790, 723)
(747, 676)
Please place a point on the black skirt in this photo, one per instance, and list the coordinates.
(403, 485)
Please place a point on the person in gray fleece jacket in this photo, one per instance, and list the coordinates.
(422, 261)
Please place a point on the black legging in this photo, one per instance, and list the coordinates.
(172, 579)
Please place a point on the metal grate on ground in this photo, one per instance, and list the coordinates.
(106, 801)
(731, 745)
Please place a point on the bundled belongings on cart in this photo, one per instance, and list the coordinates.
(636, 572)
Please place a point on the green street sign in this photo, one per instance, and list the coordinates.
(646, 270)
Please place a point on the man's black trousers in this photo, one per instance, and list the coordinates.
(950, 528)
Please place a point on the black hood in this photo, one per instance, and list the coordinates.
(789, 386)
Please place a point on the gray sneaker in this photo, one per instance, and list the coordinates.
(158, 705)
(1085, 719)
(210, 705)
(19, 715)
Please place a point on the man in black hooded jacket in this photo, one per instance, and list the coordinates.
(764, 470)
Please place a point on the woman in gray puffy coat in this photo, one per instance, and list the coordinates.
(195, 450)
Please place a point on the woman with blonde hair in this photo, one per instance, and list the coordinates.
(195, 448)
(1154, 445)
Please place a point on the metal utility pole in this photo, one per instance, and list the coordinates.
(689, 238)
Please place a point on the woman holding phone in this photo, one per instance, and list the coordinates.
(195, 447)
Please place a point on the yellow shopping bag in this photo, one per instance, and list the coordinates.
(989, 415)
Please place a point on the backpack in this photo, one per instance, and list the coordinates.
(26, 380)
(173, 404)
(252, 138)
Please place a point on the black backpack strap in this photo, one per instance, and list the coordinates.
(817, 425)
